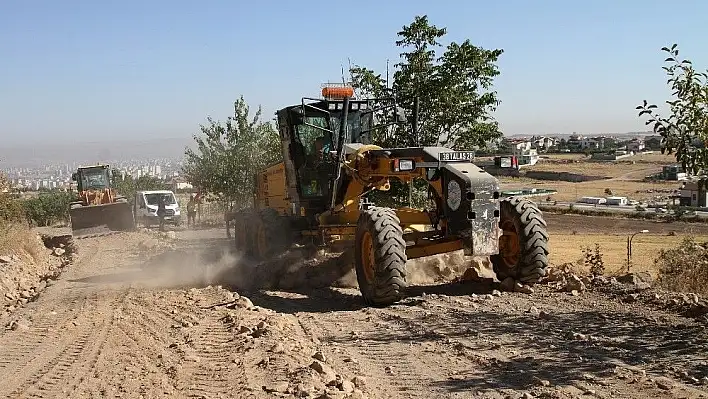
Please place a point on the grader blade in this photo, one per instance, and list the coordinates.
(95, 220)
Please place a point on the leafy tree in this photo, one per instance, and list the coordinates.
(10, 208)
(453, 89)
(653, 143)
(128, 186)
(229, 154)
(685, 130)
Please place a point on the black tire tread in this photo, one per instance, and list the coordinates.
(276, 231)
(389, 253)
(533, 234)
(241, 221)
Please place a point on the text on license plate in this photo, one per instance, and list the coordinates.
(457, 156)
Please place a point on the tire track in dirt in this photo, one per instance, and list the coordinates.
(70, 353)
(16, 345)
(498, 339)
(70, 324)
(380, 350)
(208, 369)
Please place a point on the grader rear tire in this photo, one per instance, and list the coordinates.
(241, 238)
(380, 257)
(523, 247)
(272, 235)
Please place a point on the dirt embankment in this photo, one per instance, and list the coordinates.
(29, 262)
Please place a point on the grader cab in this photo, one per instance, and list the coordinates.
(320, 193)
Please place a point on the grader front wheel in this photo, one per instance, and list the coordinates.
(380, 257)
(523, 246)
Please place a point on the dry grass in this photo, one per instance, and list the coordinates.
(645, 249)
(685, 268)
(625, 176)
(17, 239)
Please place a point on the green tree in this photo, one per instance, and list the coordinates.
(127, 186)
(229, 154)
(653, 143)
(453, 89)
(685, 130)
(11, 209)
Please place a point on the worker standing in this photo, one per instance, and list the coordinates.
(191, 211)
(161, 211)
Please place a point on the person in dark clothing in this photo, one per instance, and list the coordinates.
(161, 211)
(191, 211)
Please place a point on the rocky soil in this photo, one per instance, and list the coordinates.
(144, 315)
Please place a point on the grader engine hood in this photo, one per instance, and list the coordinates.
(471, 202)
(470, 196)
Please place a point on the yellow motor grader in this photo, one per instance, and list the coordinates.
(320, 193)
(97, 208)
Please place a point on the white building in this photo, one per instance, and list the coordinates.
(616, 201)
(636, 145)
(179, 183)
(592, 200)
(593, 143)
(527, 157)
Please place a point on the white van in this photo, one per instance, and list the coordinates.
(145, 207)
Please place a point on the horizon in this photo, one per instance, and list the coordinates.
(157, 73)
(145, 140)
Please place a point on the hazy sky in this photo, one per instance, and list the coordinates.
(82, 70)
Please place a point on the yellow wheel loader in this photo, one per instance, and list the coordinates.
(320, 193)
(98, 209)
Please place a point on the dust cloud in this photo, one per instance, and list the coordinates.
(298, 269)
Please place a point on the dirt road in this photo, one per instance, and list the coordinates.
(136, 318)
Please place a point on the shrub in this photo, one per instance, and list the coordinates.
(592, 258)
(685, 267)
(47, 209)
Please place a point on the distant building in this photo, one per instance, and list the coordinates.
(694, 193)
(616, 201)
(674, 172)
(636, 145)
(592, 200)
(544, 143)
(528, 157)
(592, 143)
(520, 145)
(180, 183)
(653, 142)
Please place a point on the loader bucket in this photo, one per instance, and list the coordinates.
(101, 219)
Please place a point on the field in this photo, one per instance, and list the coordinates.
(624, 177)
(570, 233)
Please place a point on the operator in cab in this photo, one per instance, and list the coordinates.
(320, 152)
(317, 160)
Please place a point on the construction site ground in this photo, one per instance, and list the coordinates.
(143, 315)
